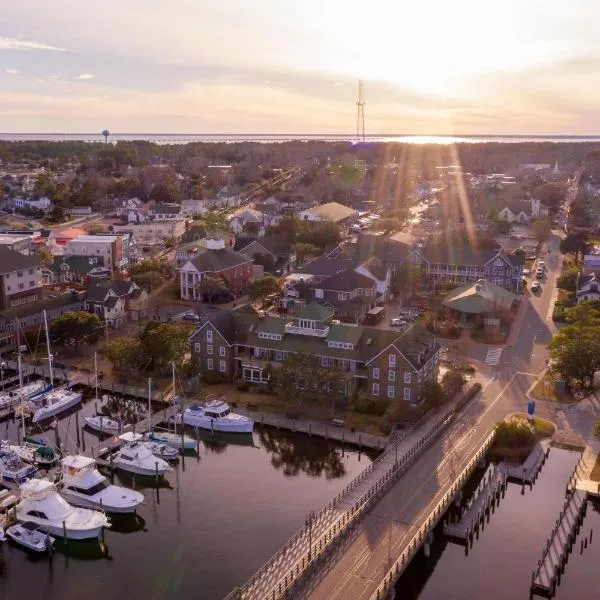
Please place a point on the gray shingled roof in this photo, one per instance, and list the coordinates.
(166, 209)
(11, 260)
(314, 312)
(346, 281)
(219, 260)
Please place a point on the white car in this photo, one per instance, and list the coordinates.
(398, 323)
(541, 264)
(526, 272)
(535, 286)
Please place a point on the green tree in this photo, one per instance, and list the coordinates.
(433, 394)
(79, 326)
(262, 287)
(452, 383)
(148, 280)
(56, 214)
(541, 229)
(575, 349)
(210, 287)
(568, 280)
(304, 250)
(163, 343)
(127, 354)
(44, 254)
(575, 243)
(409, 278)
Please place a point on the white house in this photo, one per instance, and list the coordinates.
(331, 211)
(165, 212)
(588, 287)
(193, 207)
(506, 214)
(241, 218)
(538, 209)
(38, 204)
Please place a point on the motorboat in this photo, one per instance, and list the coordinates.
(103, 424)
(136, 457)
(83, 485)
(215, 415)
(36, 452)
(31, 391)
(30, 536)
(12, 468)
(56, 402)
(7, 499)
(174, 440)
(162, 450)
(41, 504)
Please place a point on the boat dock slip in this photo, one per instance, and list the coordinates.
(483, 502)
(582, 473)
(527, 472)
(332, 431)
(556, 552)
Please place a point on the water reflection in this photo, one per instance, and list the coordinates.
(126, 523)
(294, 454)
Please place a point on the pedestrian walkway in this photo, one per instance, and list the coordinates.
(493, 356)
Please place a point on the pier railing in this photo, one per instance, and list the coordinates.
(308, 558)
(415, 543)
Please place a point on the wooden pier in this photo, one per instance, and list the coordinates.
(556, 552)
(485, 497)
(528, 471)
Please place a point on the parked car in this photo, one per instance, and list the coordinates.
(539, 274)
(398, 322)
(526, 272)
(535, 286)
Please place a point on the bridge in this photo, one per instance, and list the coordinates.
(358, 545)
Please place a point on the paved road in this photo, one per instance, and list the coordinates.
(384, 533)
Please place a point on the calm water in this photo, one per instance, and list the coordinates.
(500, 563)
(177, 138)
(219, 516)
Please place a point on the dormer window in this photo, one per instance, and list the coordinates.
(392, 360)
(319, 293)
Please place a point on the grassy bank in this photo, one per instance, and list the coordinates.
(516, 437)
(544, 390)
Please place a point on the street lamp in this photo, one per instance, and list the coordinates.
(308, 523)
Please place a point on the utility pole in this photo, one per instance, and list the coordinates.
(360, 112)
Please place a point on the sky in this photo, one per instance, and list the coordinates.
(283, 66)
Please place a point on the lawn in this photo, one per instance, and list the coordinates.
(544, 389)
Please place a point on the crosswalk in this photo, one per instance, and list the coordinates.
(493, 356)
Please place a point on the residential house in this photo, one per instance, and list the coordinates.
(25, 244)
(80, 211)
(75, 269)
(523, 211)
(591, 261)
(117, 302)
(59, 238)
(349, 294)
(188, 251)
(129, 204)
(324, 267)
(276, 255)
(20, 278)
(192, 207)
(109, 247)
(217, 261)
(156, 233)
(165, 212)
(334, 212)
(247, 220)
(588, 287)
(379, 363)
(33, 203)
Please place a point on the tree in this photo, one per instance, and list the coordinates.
(433, 394)
(568, 280)
(210, 287)
(79, 326)
(452, 383)
(550, 194)
(262, 287)
(575, 243)
(409, 278)
(163, 343)
(575, 349)
(388, 224)
(303, 250)
(57, 214)
(148, 280)
(127, 354)
(541, 229)
(44, 254)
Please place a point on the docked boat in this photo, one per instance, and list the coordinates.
(12, 468)
(215, 415)
(55, 402)
(36, 452)
(136, 457)
(8, 498)
(171, 439)
(30, 536)
(31, 391)
(103, 424)
(162, 450)
(41, 504)
(83, 485)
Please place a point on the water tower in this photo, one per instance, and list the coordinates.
(106, 133)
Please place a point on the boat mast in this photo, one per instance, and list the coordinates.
(149, 405)
(96, 375)
(174, 394)
(50, 371)
(20, 367)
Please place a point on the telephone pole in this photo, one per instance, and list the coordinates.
(360, 111)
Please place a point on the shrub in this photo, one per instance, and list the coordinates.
(242, 385)
(212, 378)
(370, 406)
(597, 429)
(514, 434)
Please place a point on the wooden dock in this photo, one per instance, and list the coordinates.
(528, 471)
(483, 502)
(556, 552)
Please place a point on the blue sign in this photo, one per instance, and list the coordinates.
(531, 408)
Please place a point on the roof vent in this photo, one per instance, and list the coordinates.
(369, 341)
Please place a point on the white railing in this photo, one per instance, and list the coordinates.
(291, 328)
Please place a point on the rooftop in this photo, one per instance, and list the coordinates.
(11, 260)
(333, 211)
(479, 297)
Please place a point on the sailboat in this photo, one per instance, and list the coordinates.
(169, 438)
(100, 422)
(59, 399)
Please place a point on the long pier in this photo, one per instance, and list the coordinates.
(528, 471)
(485, 497)
(556, 552)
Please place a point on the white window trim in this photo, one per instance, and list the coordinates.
(391, 392)
(375, 373)
(407, 394)
(209, 349)
(197, 347)
(209, 336)
(391, 375)
(222, 366)
(392, 360)
(209, 364)
(408, 377)
(375, 389)
(222, 351)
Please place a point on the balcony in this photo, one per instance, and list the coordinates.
(252, 362)
(316, 332)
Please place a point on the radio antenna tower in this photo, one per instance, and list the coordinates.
(360, 111)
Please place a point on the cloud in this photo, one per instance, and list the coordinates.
(15, 44)
(84, 76)
(55, 76)
(338, 83)
(11, 71)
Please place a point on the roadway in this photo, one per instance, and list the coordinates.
(360, 565)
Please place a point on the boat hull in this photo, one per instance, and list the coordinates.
(58, 531)
(45, 412)
(92, 424)
(106, 505)
(174, 441)
(220, 425)
(138, 470)
(41, 546)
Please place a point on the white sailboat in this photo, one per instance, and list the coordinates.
(100, 422)
(135, 457)
(215, 415)
(83, 485)
(181, 442)
(59, 399)
(41, 504)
